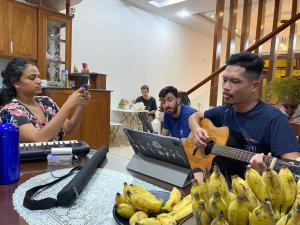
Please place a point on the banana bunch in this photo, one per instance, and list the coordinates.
(137, 204)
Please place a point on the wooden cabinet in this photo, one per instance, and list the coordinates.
(94, 128)
(4, 42)
(54, 43)
(18, 27)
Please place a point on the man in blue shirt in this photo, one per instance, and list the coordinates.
(253, 125)
(176, 114)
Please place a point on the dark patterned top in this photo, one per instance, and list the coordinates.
(22, 115)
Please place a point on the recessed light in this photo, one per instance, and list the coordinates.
(212, 15)
(162, 3)
(183, 13)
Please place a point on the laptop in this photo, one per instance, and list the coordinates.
(160, 157)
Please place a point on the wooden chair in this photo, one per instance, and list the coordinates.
(296, 127)
(114, 129)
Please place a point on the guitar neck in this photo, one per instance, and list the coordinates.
(239, 154)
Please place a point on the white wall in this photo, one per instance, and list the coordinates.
(134, 47)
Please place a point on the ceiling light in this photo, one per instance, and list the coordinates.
(212, 15)
(162, 3)
(183, 13)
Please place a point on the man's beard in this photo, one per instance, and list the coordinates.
(173, 111)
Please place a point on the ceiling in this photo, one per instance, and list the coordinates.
(201, 11)
(58, 5)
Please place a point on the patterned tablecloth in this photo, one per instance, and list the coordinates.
(94, 205)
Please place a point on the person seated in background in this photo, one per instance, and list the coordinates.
(150, 105)
(184, 98)
(38, 117)
(253, 125)
(176, 114)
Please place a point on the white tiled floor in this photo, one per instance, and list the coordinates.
(123, 150)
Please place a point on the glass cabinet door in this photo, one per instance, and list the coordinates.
(56, 49)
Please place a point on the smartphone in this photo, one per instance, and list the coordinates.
(85, 82)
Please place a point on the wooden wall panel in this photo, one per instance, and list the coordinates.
(217, 51)
(290, 55)
(245, 24)
(260, 22)
(230, 48)
(273, 56)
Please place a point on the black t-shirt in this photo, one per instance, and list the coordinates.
(150, 104)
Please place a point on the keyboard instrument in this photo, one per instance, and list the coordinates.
(40, 150)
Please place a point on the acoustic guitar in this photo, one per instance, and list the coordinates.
(202, 158)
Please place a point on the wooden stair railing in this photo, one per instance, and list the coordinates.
(250, 49)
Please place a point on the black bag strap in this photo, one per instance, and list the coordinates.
(45, 203)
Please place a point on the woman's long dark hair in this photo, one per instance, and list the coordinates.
(10, 76)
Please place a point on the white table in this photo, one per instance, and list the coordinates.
(130, 116)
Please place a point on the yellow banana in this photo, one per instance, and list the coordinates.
(238, 213)
(217, 183)
(184, 202)
(240, 187)
(297, 199)
(201, 189)
(262, 214)
(149, 221)
(232, 197)
(143, 202)
(166, 219)
(201, 214)
(127, 188)
(138, 188)
(120, 198)
(125, 210)
(174, 199)
(195, 202)
(220, 220)
(187, 210)
(283, 220)
(288, 185)
(137, 216)
(271, 179)
(295, 217)
(256, 183)
(216, 205)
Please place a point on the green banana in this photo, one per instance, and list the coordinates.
(216, 205)
(256, 183)
(238, 213)
(137, 216)
(220, 220)
(288, 185)
(240, 187)
(143, 202)
(125, 210)
(262, 214)
(174, 199)
(272, 180)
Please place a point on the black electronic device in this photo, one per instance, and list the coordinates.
(40, 150)
(158, 156)
(85, 82)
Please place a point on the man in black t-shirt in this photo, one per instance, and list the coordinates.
(150, 105)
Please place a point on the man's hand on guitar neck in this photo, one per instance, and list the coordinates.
(257, 162)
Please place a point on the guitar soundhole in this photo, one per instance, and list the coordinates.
(209, 146)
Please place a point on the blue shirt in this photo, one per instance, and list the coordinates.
(179, 127)
(263, 129)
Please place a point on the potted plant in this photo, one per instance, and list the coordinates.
(285, 92)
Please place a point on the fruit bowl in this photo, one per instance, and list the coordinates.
(159, 194)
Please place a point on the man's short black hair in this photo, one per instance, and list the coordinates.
(250, 61)
(166, 90)
(145, 87)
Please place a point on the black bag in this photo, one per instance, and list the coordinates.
(72, 190)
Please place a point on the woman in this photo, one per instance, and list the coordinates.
(38, 117)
